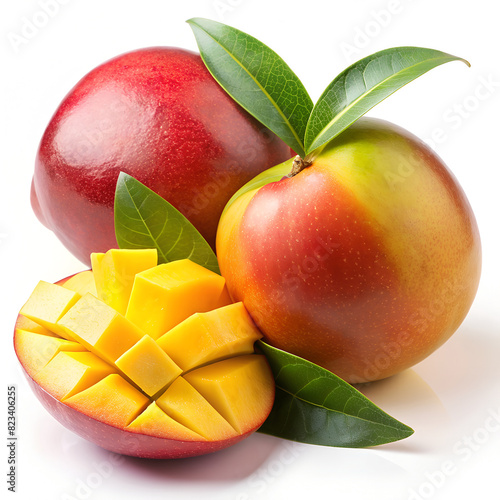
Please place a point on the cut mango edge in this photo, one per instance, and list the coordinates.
(147, 385)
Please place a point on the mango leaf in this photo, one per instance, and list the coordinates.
(144, 219)
(256, 78)
(363, 85)
(314, 406)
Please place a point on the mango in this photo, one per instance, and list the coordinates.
(177, 371)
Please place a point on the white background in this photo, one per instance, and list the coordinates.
(452, 399)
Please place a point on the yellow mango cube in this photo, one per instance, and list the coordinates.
(148, 366)
(182, 402)
(112, 400)
(81, 283)
(47, 304)
(155, 422)
(100, 328)
(238, 388)
(26, 324)
(114, 273)
(69, 373)
(38, 349)
(211, 336)
(167, 294)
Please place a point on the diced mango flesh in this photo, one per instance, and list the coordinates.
(38, 349)
(154, 421)
(81, 283)
(71, 372)
(100, 328)
(184, 403)
(112, 400)
(167, 294)
(47, 304)
(146, 364)
(157, 370)
(207, 337)
(114, 273)
(24, 323)
(238, 388)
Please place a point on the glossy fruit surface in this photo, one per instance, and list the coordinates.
(158, 115)
(364, 262)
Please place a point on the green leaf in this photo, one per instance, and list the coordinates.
(257, 78)
(363, 85)
(144, 219)
(315, 406)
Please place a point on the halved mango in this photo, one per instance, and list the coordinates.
(192, 389)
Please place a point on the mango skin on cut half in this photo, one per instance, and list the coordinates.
(137, 399)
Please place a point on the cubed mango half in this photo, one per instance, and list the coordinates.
(179, 365)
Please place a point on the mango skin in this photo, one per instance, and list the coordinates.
(122, 441)
(364, 263)
(158, 115)
(117, 440)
